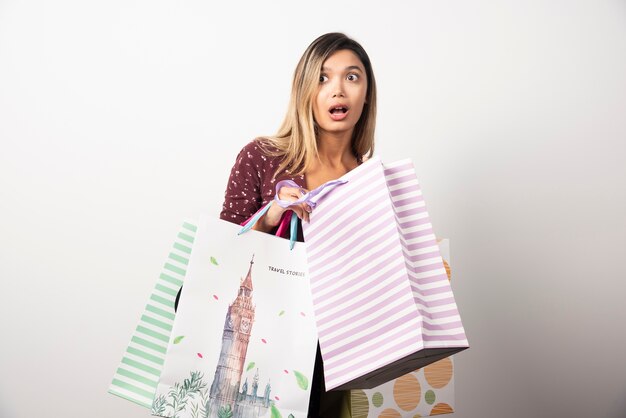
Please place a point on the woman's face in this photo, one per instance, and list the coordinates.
(341, 95)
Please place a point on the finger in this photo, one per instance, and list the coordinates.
(296, 192)
(301, 212)
(298, 211)
(273, 215)
(289, 193)
(306, 210)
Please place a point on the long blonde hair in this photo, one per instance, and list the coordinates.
(296, 139)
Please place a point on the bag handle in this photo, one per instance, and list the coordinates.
(311, 198)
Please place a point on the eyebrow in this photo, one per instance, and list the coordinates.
(351, 67)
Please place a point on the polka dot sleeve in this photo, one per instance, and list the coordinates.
(252, 184)
(243, 192)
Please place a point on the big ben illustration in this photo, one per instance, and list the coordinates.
(225, 393)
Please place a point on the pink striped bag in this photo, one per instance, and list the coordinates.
(382, 300)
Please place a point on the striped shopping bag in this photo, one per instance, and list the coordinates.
(137, 376)
(423, 392)
(383, 304)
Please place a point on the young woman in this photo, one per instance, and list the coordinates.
(328, 131)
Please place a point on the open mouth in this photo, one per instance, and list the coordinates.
(338, 109)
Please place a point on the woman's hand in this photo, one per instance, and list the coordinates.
(272, 218)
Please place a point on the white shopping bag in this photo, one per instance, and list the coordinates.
(244, 340)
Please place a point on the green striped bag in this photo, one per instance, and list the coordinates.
(137, 376)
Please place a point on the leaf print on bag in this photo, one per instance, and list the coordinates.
(302, 380)
(179, 395)
(225, 412)
(276, 412)
(158, 405)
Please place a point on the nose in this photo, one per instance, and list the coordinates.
(338, 89)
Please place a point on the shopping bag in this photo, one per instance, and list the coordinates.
(138, 373)
(243, 342)
(383, 304)
(423, 392)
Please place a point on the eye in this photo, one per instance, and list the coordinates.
(323, 78)
(352, 77)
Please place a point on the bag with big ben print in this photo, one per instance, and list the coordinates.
(244, 339)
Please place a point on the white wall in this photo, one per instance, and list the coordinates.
(118, 119)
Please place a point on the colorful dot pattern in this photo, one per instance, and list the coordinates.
(407, 392)
(421, 393)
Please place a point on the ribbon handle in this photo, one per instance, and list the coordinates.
(310, 198)
(255, 218)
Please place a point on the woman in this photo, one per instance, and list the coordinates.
(328, 131)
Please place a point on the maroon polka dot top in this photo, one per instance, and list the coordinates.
(252, 184)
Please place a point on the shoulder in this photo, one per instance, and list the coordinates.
(259, 154)
(258, 147)
(253, 148)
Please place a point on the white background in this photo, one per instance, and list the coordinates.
(118, 119)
